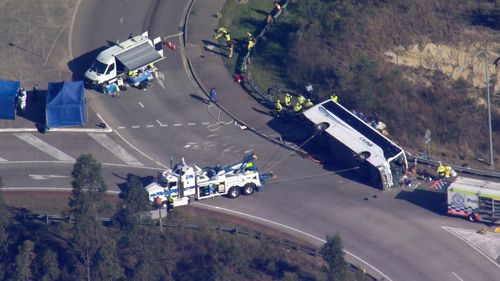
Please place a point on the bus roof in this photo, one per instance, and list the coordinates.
(353, 132)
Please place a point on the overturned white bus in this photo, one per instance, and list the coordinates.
(349, 140)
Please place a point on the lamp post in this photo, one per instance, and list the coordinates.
(485, 54)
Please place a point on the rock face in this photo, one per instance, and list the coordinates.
(453, 61)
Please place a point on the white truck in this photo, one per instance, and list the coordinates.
(186, 182)
(477, 200)
(116, 61)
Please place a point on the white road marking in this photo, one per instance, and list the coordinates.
(247, 151)
(121, 127)
(161, 125)
(115, 148)
(135, 127)
(2, 160)
(451, 230)
(293, 229)
(191, 124)
(121, 20)
(456, 275)
(45, 177)
(150, 126)
(177, 124)
(45, 147)
(161, 78)
(66, 163)
(205, 123)
(212, 135)
(173, 35)
(142, 105)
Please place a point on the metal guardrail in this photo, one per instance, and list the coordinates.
(460, 169)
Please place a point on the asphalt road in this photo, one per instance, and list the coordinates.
(398, 233)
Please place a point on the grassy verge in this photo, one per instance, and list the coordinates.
(267, 67)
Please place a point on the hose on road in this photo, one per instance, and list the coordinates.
(216, 116)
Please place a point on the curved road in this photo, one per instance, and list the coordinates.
(395, 232)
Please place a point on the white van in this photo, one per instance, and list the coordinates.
(133, 54)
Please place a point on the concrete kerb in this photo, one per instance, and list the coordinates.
(200, 85)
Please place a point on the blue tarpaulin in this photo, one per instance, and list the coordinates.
(8, 92)
(65, 104)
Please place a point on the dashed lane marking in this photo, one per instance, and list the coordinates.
(191, 124)
(205, 123)
(115, 148)
(150, 126)
(161, 124)
(177, 124)
(212, 135)
(142, 105)
(121, 127)
(45, 147)
(135, 127)
(161, 78)
(121, 20)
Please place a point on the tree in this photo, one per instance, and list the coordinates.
(333, 253)
(49, 269)
(87, 203)
(135, 201)
(107, 265)
(24, 261)
(4, 222)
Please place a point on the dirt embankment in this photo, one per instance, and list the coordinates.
(34, 40)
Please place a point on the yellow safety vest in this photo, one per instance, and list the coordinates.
(440, 170)
(288, 100)
(334, 98)
(297, 107)
(308, 103)
(301, 99)
(278, 106)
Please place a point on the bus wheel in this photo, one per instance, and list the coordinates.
(234, 192)
(248, 189)
(364, 155)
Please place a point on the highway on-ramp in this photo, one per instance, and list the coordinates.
(396, 233)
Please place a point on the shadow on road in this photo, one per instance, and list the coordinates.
(123, 186)
(293, 130)
(197, 97)
(429, 200)
(80, 64)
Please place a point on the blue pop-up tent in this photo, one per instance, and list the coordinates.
(8, 92)
(65, 104)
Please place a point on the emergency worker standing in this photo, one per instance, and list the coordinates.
(441, 170)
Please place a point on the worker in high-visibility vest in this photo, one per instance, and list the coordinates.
(441, 170)
(250, 37)
(170, 201)
(301, 99)
(288, 100)
(308, 103)
(250, 45)
(297, 108)
(278, 107)
(220, 31)
(334, 97)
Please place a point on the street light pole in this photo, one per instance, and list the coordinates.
(492, 166)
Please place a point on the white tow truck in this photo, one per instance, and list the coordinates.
(187, 182)
(117, 61)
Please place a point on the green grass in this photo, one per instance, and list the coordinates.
(267, 67)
